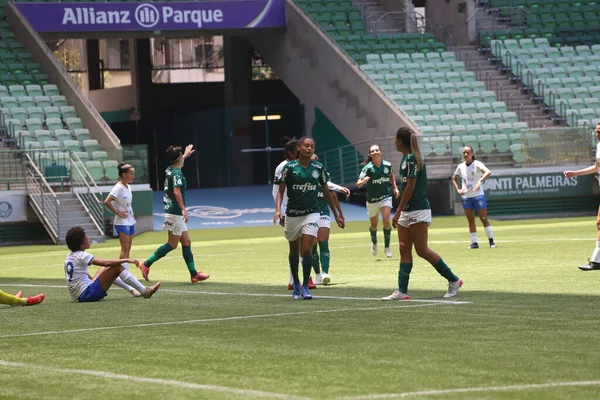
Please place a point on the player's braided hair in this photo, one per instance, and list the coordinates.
(123, 168)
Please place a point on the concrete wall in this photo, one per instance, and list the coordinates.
(113, 99)
(445, 13)
(320, 75)
(51, 66)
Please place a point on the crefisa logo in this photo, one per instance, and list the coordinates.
(6, 209)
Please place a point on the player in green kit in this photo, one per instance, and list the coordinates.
(302, 179)
(413, 217)
(321, 255)
(379, 177)
(176, 216)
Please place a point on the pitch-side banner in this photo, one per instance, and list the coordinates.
(195, 15)
(13, 208)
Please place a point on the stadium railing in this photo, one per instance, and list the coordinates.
(43, 199)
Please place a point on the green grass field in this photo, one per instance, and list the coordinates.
(525, 325)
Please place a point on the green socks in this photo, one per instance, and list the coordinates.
(315, 260)
(387, 234)
(404, 276)
(189, 259)
(373, 236)
(306, 268)
(445, 271)
(325, 255)
(294, 260)
(158, 254)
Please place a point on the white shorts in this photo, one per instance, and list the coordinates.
(298, 226)
(373, 208)
(325, 221)
(408, 218)
(174, 224)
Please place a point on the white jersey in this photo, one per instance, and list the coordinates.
(76, 272)
(122, 202)
(276, 178)
(469, 176)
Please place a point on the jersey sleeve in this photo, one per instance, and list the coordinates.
(323, 177)
(86, 258)
(413, 168)
(277, 175)
(364, 172)
(480, 166)
(177, 179)
(457, 172)
(116, 191)
(284, 174)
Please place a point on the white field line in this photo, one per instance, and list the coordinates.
(453, 302)
(206, 320)
(155, 381)
(507, 388)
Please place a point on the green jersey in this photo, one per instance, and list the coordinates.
(174, 178)
(303, 186)
(323, 205)
(410, 169)
(379, 186)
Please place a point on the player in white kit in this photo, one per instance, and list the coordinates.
(118, 202)
(472, 174)
(594, 262)
(82, 286)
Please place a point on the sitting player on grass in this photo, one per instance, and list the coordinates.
(82, 286)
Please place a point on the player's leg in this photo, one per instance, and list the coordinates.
(482, 213)
(188, 256)
(125, 239)
(373, 222)
(387, 228)
(294, 260)
(470, 214)
(307, 242)
(594, 263)
(419, 233)
(406, 245)
(175, 226)
(11, 300)
(323, 241)
(105, 276)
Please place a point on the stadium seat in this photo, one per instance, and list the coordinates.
(95, 169)
(111, 171)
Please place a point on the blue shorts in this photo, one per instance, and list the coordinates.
(474, 203)
(126, 229)
(93, 292)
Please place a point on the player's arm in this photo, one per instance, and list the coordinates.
(113, 263)
(486, 174)
(455, 183)
(338, 206)
(339, 218)
(108, 203)
(337, 188)
(189, 150)
(363, 177)
(406, 196)
(179, 200)
(395, 190)
(592, 169)
(278, 201)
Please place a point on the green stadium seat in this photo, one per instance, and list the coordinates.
(26, 101)
(33, 124)
(58, 101)
(99, 155)
(42, 101)
(486, 142)
(54, 124)
(502, 142)
(42, 135)
(479, 118)
(19, 113)
(62, 136)
(91, 145)
(95, 169)
(52, 112)
(36, 112)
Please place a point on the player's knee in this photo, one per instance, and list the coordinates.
(422, 251)
(598, 224)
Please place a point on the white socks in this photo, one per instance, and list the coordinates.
(489, 232)
(473, 237)
(596, 254)
(119, 282)
(131, 280)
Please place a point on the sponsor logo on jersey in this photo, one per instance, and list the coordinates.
(381, 180)
(304, 187)
(412, 220)
(312, 224)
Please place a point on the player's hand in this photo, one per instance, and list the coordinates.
(477, 187)
(185, 216)
(366, 179)
(395, 221)
(341, 221)
(346, 191)
(396, 193)
(282, 221)
(461, 191)
(122, 214)
(569, 174)
(277, 217)
(134, 261)
(189, 150)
